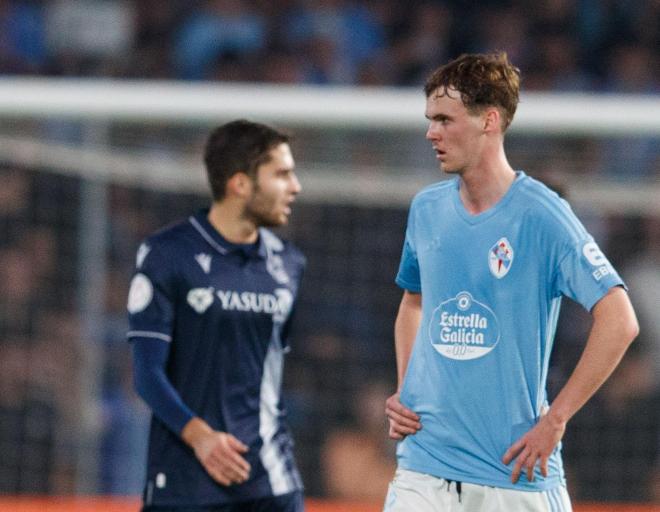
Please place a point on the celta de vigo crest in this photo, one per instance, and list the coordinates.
(500, 258)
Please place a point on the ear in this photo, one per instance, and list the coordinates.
(239, 185)
(492, 119)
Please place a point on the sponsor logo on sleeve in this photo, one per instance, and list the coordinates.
(142, 253)
(463, 328)
(140, 293)
(597, 259)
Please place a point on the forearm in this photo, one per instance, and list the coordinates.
(153, 386)
(614, 328)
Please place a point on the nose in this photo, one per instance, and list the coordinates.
(295, 185)
(432, 132)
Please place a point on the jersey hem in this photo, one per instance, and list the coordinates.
(547, 485)
(408, 286)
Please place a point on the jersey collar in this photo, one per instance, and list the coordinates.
(211, 235)
(493, 210)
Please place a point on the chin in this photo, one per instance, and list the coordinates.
(274, 222)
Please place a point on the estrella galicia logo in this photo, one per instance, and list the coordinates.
(500, 258)
(463, 328)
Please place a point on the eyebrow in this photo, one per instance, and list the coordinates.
(438, 117)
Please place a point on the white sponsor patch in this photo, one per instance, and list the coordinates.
(140, 294)
(596, 258)
(463, 328)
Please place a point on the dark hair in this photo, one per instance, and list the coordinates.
(483, 80)
(238, 146)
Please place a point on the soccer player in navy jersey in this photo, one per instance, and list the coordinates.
(487, 257)
(210, 311)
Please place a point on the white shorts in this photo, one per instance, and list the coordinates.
(417, 492)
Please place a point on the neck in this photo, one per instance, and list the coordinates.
(482, 186)
(226, 218)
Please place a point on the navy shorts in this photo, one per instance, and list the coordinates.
(292, 502)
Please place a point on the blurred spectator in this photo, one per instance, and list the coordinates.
(336, 37)
(505, 28)
(156, 21)
(632, 69)
(424, 44)
(22, 34)
(565, 44)
(218, 34)
(557, 67)
(86, 36)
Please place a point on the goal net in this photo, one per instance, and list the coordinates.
(88, 168)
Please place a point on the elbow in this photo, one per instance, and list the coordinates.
(141, 383)
(138, 384)
(631, 330)
(627, 329)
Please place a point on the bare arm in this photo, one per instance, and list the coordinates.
(614, 328)
(402, 420)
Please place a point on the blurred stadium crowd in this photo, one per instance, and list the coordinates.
(342, 366)
(586, 45)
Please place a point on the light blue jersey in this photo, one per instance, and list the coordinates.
(491, 288)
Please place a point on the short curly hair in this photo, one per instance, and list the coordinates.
(483, 80)
(238, 146)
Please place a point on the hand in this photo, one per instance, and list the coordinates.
(402, 420)
(536, 445)
(219, 452)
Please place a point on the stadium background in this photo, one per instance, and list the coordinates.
(78, 192)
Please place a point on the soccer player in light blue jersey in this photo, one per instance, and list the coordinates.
(487, 257)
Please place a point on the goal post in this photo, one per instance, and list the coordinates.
(90, 166)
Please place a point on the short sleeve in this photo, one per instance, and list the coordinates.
(408, 276)
(151, 295)
(585, 274)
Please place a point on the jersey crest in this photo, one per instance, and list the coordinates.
(500, 258)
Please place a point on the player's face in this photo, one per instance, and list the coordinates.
(275, 188)
(455, 134)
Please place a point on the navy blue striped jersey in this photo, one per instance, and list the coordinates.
(225, 311)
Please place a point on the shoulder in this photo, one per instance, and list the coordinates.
(165, 243)
(285, 248)
(549, 210)
(172, 233)
(432, 193)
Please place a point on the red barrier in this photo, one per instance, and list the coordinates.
(100, 504)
